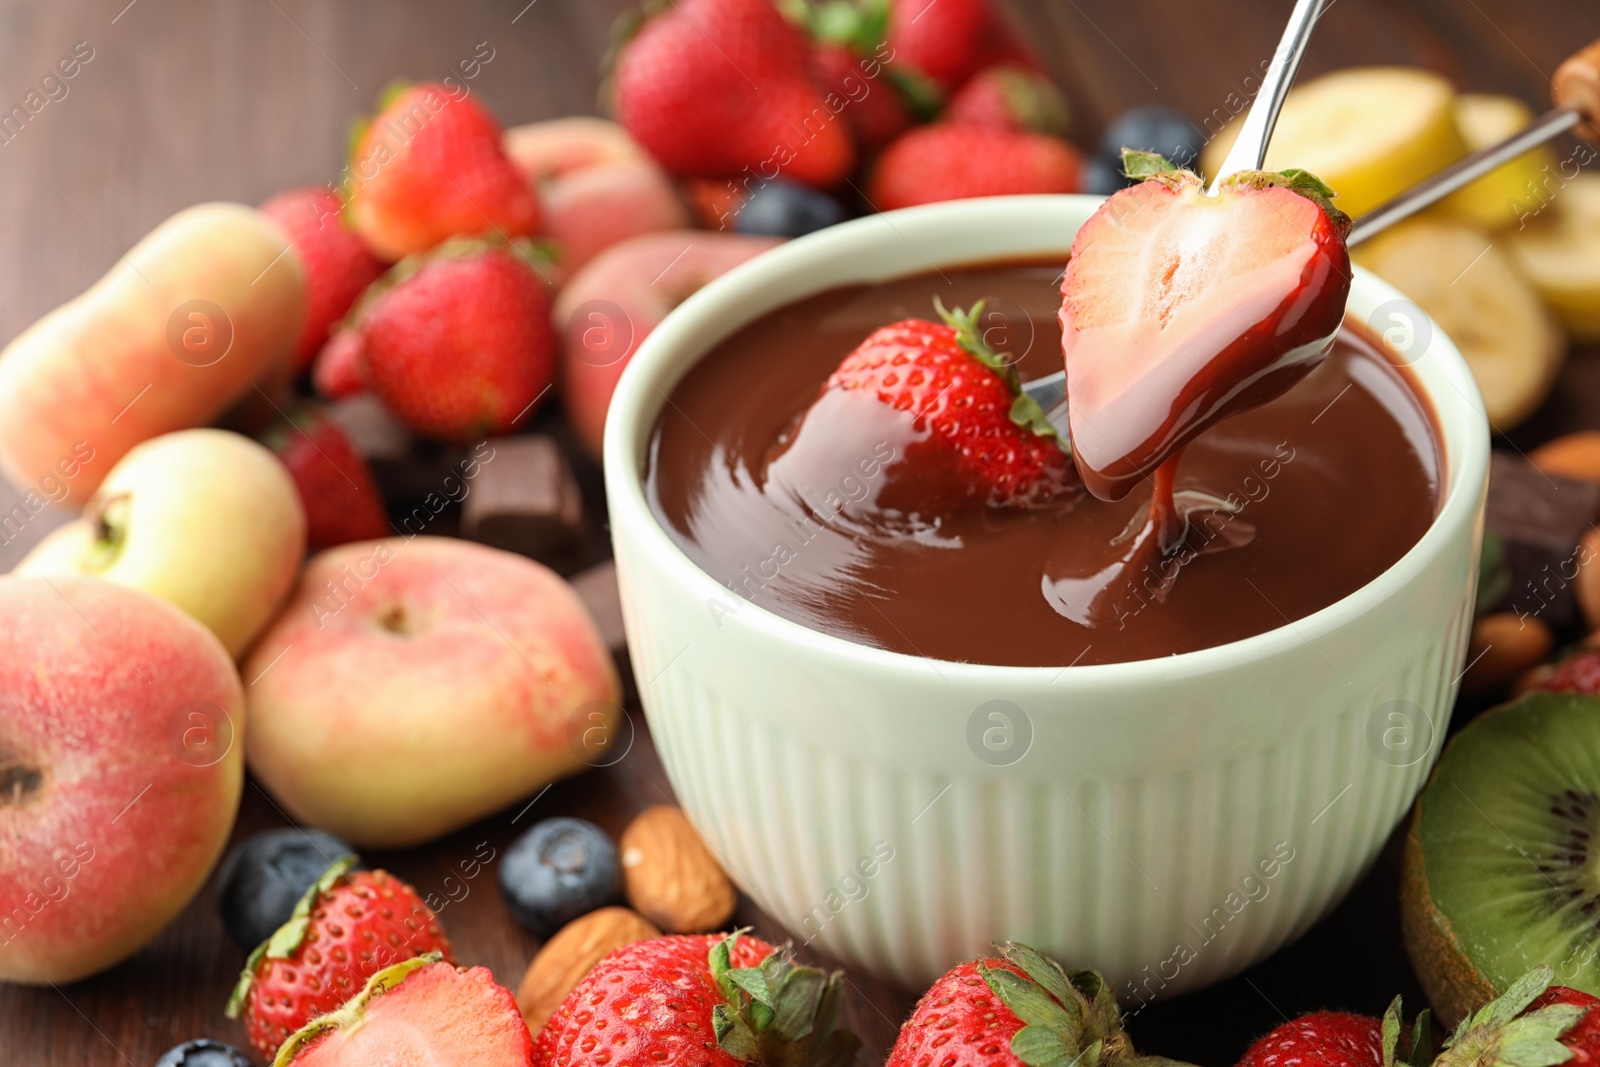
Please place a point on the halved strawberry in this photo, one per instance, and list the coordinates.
(422, 1011)
(1179, 309)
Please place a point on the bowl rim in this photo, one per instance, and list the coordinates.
(638, 399)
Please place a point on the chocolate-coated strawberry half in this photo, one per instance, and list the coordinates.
(1179, 309)
(422, 1011)
(954, 411)
(1018, 1009)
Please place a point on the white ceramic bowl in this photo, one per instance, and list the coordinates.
(1169, 821)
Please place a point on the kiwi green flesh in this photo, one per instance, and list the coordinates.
(1508, 837)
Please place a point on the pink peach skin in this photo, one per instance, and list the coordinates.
(544, 150)
(423, 684)
(589, 210)
(105, 832)
(614, 302)
(101, 373)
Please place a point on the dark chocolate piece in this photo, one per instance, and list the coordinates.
(526, 500)
(1538, 519)
(597, 588)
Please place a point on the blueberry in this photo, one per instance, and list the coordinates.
(1154, 129)
(204, 1054)
(784, 209)
(1101, 177)
(557, 871)
(266, 875)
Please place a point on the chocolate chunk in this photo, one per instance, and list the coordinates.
(525, 499)
(597, 588)
(1538, 519)
(374, 432)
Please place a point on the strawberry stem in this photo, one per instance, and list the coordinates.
(1025, 410)
(778, 1013)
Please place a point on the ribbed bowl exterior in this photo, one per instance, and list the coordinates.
(1167, 822)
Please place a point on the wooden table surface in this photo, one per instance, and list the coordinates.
(184, 101)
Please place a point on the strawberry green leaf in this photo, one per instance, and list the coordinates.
(286, 938)
(1028, 1002)
(1140, 165)
(1041, 968)
(1044, 1046)
(778, 1013)
(860, 26)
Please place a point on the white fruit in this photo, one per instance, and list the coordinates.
(1468, 287)
(1505, 194)
(1558, 251)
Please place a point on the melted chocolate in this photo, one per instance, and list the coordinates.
(1292, 505)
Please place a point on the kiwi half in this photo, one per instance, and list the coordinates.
(1502, 864)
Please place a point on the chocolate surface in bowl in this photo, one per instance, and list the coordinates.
(1325, 488)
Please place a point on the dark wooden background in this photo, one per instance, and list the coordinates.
(191, 100)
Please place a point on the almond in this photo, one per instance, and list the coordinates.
(1503, 646)
(1586, 587)
(1574, 455)
(570, 954)
(671, 876)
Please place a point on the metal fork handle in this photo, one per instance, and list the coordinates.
(1249, 151)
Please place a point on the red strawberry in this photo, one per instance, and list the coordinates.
(1578, 673)
(458, 343)
(337, 264)
(1010, 98)
(1524, 1024)
(713, 88)
(416, 1012)
(1325, 1038)
(334, 482)
(431, 166)
(336, 372)
(349, 926)
(1583, 1039)
(950, 161)
(1179, 309)
(873, 107)
(948, 41)
(699, 1001)
(971, 1016)
(1340, 1039)
(976, 437)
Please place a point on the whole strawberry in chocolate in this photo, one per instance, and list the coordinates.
(419, 1012)
(700, 1001)
(430, 166)
(335, 484)
(958, 161)
(964, 432)
(1532, 1024)
(349, 926)
(1018, 1008)
(1179, 309)
(458, 343)
(337, 263)
(723, 88)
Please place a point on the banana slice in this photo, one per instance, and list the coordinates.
(1558, 250)
(1468, 286)
(1502, 196)
(1369, 132)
